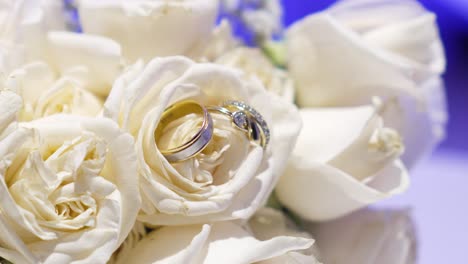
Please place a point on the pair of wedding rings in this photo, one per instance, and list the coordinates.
(243, 117)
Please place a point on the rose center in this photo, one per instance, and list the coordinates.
(217, 163)
(56, 184)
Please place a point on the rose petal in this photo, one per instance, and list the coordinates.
(94, 60)
(209, 243)
(319, 192)
(330, 76)
(365, 65)
(403, 27)
(221, 40)
(429, 117)
(368, 236)
(159, 23)
(254, 63)
(10, 104)
(337, 135)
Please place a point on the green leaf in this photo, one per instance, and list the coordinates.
(276, 52)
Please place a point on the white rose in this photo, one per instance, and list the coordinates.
(150, 28)
(66, 74)
(93, 61)
(269, 223)
(231, 178)
(23, 23)
(345, 159)
(363, 48)
(220, 41)
(44, 93)
(68, 190)
(54, 14)
(369, 236)
(223, 242)
(10, 105)
(31, 51)
(256, 64)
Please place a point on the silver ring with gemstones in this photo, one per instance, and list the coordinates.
(247, 119)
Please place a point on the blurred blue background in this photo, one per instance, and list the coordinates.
(438, 195)
(453, 22)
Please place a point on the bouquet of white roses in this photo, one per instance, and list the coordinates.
(145, 132)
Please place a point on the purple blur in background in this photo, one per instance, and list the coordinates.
(438, 195)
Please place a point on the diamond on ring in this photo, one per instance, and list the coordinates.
(259, 130)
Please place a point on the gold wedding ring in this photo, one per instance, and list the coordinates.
(198, 142)
(243, 117)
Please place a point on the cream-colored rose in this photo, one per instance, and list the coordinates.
(232, 177)
(220, 41)
(92, 60)
(269, 223)
(44, 93)
(369, 236)
(257, 65)
(345, 159)
(65, 64)
(23, 22)
(54, 14)
(364, 48)
(150, 28)
(224, 242)
(10, 105)
(68, 190)
(69, 75)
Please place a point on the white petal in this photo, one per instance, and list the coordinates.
(367, 236)
(24, 24)
(221, 41)
(54, 14)
(97, 60)
(208, 244)
(148, 29)
(337, 135)
(31, 81)
(227, 236)
(69, 97)
(268, 223)
(13, 249)
(291, 257)
(253, 62)
(403, 27)
(354, 33)
(10, 104)
(362, 71)
(171, 245)
(421, 123)
(320, 192)
(327, 132)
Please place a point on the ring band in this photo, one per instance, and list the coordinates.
(246, 119)
(198, 142)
